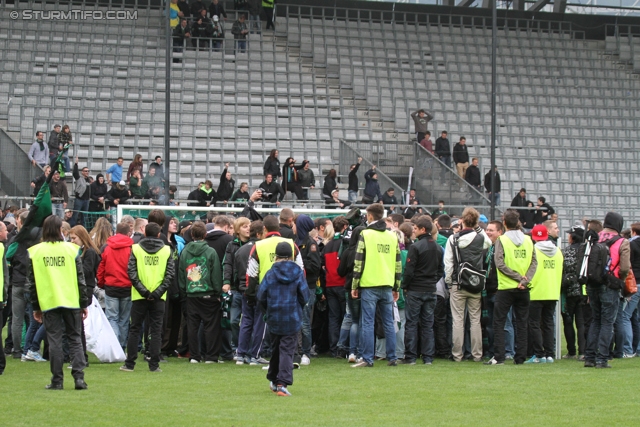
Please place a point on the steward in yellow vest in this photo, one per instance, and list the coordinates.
(55, 281)
(151, 270)
(516, 264)
(263, 256)
(545, 292)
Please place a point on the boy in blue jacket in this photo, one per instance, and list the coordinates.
(282, 295)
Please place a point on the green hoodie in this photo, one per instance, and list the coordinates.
(200, 273)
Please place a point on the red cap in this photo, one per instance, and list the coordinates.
(539, 233)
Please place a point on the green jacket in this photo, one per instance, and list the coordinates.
(200, 273)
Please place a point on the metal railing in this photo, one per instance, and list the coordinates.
(16, 170)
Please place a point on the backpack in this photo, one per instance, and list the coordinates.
(592, 259)
(570, 285)
(467, 276)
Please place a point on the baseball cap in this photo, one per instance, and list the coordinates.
(576, 229)
(455, 222)
(215, 18)
(122, 183)
(283, 250)
(183, 224)
(539, 233)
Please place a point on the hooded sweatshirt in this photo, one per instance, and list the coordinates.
(424, 267)
(282, 295)
(199, 271)
(218, 240)
(543, 290)
(112, 271)
(371, 187)
(348, 259)
(471, 246)
(517, 237)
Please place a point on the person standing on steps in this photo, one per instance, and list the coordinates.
(269, 6)
(353, 181)
(57, 289)
(420, 120)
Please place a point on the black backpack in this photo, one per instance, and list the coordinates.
(592, 259)
(466, 275)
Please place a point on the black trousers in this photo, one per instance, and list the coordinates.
(58, 323)
(541, 327)
(269, 12)
(573, 312)
(519, 300)
(281, 363)
(139, 310)
(208, 311)
(441, 332)
(337, 304)
(296, 188)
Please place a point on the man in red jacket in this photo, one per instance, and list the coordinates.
(113, 277)
(334, 285)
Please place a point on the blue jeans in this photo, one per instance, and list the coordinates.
(419, 309)
(623, 323)
(58, 210)
(370, 298)
(252, 330)
(345, 329)
(509, 336)
(241, 45)
(255, 22)
(79, 206)
(353, 196)
(354, 332)
(33, 325)
(306, 323)
(38, 338)
(235, 312)
(118, 312)
(604, 308)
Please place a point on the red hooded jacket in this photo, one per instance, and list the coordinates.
(115, 258)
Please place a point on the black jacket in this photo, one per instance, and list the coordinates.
(204, 197)
(90, 262)
(202, 29)
(179, 33)
(424, 266)
(286, 231)
(519, 201)
(539, 218)
(53, 143)
(196, 6)
(487, 182)
(240, 196)
(151, 245)
(353, 178)
(389, 200)
(310, 254)
(460, 153)
(217, 10)
(472, 176)
(240, 263)
(635, 257)
(97, 191)
(38, 183)
(443, 148)
(272, 192)
(218, 240)
(121, 194)
(330, 185)
(228, 263)
(19, 263)
(225, 189)
(272, 166)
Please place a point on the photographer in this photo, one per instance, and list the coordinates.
(270, 191)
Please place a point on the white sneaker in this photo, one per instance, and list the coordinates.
(549, 359)
(305, 361)
(193, 361)
(352, 358)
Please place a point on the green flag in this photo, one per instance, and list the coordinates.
(39, 210)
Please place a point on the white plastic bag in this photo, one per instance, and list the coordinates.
(101, 340)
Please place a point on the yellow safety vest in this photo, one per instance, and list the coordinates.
(517, 258)
(151, 269)
(266, 250)
(54, 268)
(381, 248)
(545, 285)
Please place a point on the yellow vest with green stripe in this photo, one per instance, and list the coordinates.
(266, 250)
(545, 285)
(379, 258)
(517, 258)
(151, 269)
(54, 269)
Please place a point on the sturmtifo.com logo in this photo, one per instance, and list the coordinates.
(74, 15)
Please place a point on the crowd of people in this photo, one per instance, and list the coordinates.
(196, 27)
(362, 287)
